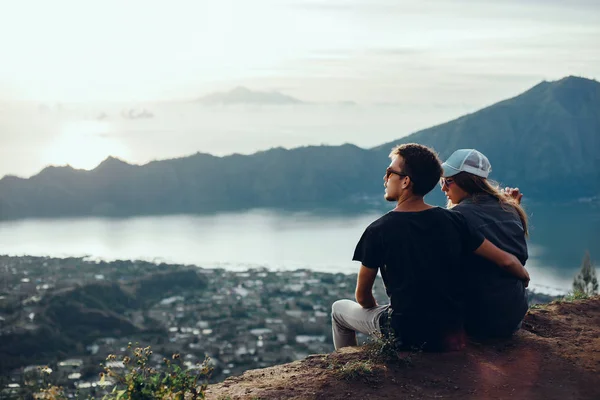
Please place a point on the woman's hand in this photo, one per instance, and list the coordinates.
(515, 193)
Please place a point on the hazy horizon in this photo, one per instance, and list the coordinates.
(86, 136)
(409, 65)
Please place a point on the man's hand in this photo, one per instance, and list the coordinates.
(526, 281)
(515, 193)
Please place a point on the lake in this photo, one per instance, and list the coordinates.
(280, 240)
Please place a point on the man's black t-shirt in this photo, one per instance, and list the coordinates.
(421, 257)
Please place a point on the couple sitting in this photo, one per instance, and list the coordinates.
(443, 272)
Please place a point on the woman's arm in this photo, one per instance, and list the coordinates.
(504, 260)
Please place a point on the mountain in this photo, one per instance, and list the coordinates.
(242, 95)
(303, 177)
(545, 141)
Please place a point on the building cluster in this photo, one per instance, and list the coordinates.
(239, 320)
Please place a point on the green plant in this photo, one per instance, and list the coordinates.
(51, 392)
(381, 348)
(48, 390)
(576, 295)
(353, 370)
(538, 306)
(138, 381)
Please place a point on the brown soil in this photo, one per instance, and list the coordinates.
(555, 356)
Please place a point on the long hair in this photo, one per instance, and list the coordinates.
(476, 186)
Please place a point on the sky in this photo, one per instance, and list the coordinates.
(361, 50)
(408, 64)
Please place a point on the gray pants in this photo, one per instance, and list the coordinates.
(348, 317)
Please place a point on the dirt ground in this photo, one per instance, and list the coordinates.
(555, 356)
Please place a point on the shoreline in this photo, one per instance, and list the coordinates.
(157, 261)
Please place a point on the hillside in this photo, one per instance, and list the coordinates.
(549, 134)
(555, 356)
(70, 318)
(546, 136)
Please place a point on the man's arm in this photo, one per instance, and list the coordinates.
(364, 287)
(503, 259)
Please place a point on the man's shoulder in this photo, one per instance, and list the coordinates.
(455, 216)
(394, 218)
(381, 222)
(452, 213)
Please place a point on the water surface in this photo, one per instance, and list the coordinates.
(279, 240)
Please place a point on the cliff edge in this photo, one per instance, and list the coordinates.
(556, 355)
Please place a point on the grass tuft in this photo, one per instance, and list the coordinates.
(355, 370)
(385, 349)
(571, 297)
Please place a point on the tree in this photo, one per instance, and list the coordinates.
(585, 281)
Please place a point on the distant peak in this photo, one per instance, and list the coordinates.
(573, 82)
(240, 89)
(243, 95)
(12, 178)
(568, 91)
(111, 161)
(573, 78)
(67, 167)
(54, 171)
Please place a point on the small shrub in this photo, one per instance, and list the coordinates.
(576, 295)
(586, 281)
(138, 381)
(385, 349)
(354, 370)
(51, 392)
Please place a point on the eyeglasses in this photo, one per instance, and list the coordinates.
(446, 182)
(389, 171)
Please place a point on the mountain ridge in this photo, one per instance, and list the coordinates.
(547, 135)
(530, 124)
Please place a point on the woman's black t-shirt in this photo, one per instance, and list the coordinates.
(496, 301)
(421, 257)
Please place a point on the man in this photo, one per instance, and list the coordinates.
(420, 251)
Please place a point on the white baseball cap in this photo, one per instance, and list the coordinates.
(467, 160)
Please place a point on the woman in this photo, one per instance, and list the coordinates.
(495, 300)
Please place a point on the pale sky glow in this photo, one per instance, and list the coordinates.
(84, 144)
(79, 65)
(148, 50)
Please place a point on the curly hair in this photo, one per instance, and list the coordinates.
(421, 164)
